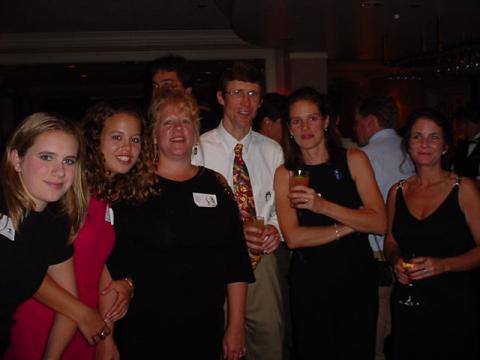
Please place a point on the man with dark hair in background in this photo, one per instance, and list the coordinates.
(467, 154)
(170, 71)
(173, 71)
(375, 120)
(269, 117)
(225, 149)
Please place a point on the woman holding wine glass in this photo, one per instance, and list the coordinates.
(433, 243)
(332, 275)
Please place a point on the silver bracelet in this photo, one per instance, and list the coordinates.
(132, 287)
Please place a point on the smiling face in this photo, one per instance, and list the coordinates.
(240, 101)
(47, 169)
(307, 125)
(120, 142)
(175, 133)
(426, 142)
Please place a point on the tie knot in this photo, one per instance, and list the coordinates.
(238, 149)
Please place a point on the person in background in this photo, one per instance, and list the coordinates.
(270, 115)
(184, 248)
(114, 135)
(42, 205)
(333, 282)
(172, 71)
(248, 161)
(376, 118)
(467, 154)
(336, 116)
(433, 242)
(268, 122)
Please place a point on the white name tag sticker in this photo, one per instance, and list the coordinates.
(109, 215)
(205, 200)
(6, 228)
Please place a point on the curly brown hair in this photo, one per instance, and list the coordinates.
(140, 181)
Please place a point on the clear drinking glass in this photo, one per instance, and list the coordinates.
(259, 223)
(411, 297)
(300, 177)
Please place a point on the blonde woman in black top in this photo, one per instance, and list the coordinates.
(42, 205)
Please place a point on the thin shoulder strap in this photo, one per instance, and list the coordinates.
(458, 180)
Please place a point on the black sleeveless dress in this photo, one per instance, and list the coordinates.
(333, 287)
(442, 324)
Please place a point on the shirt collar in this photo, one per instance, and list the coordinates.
(382, 134)
(230, 141)
(476, 137)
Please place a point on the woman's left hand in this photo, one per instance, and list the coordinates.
(234, 346)
(426, 267)
(303, 197)
(119, 308)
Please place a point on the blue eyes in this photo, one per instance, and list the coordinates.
(69, 161)
(50, 157)
(46, 157)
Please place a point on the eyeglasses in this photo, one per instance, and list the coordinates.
(240, 93)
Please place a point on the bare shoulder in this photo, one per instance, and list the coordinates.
(468, 191)
(356, 157)
(355, 153)
(393, 191)
(358, 163)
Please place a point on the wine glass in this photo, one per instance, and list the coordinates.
(411, 298)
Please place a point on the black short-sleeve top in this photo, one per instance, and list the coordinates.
(25, 255)
(181, 247)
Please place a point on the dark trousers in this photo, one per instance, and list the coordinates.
(333, 320)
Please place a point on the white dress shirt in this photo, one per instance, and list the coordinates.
(261, 155)
(389, 165)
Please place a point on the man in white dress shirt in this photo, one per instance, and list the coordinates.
(240, 95)
(375, 120)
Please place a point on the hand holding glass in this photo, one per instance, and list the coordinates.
(257, 222)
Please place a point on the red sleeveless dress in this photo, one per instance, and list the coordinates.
(34, 320)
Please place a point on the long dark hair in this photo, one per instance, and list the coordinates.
(137, 183)
(440, 120)
(293, 154)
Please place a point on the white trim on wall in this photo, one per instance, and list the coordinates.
(53, 48)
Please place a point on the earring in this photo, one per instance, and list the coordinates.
(325, 129)
(291, 136)
(195, 149)
(444, 152)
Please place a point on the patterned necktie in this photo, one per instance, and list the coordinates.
(242, 189)
(242, 186)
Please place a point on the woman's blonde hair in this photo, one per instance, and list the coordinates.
(183, 101)
(15, 201)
